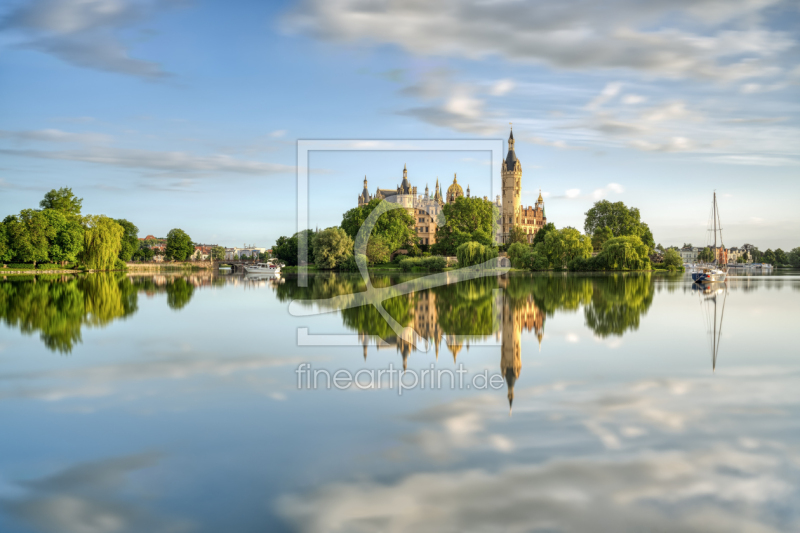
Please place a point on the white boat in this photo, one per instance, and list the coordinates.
(263, 268)
(713, 273)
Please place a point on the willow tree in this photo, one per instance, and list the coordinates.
(102, 242)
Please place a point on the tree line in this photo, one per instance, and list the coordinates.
(58, 233)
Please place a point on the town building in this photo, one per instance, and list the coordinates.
(689, 254)
(246, 252)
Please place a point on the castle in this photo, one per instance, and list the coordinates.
(425, 208)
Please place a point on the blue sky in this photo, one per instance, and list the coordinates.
(186, 114)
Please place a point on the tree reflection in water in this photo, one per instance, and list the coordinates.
(498, 307)
(58, 307)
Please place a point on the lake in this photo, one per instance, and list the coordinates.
(523, 402)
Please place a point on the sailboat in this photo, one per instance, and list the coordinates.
(709, 303)
(713, 273)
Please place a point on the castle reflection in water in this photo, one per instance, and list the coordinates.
(510, 317)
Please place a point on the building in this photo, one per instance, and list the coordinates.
(532, 218)
(689, 254)
(246, 252)
(425, 208)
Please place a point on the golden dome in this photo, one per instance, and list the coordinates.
(540, 196)
(455, 188)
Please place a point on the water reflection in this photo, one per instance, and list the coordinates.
(58, 307)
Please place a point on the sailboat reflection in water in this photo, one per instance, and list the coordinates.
(713, 313)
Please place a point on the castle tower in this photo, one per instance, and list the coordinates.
(512, 189)
(540, 204)
(467, 190)
(364, 197)
(454, 191)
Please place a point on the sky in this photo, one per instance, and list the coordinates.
(186, 114)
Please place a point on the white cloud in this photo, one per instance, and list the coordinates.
(175, 162)
(572, 193)
(633, 99)
(53, 135)
(83, 32)
(502, 87)
(609, 91)
(278, 133)
(573, 34)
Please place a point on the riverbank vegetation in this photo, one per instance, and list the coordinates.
(59, 234)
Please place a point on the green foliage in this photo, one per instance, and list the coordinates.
(130, 239)
(466, 220)
(349, 264)
(794, 257)
(706, 254)
(542, 233)
(331, 247)
(781, 257)
(217, 253)
(601, 235)
(474, 253)
(395, 227)
(285, 248)
(520, 255)
(28, 235)
(179, 245)
(378, 251)
(64, 201)
(102, 241)
(53, 266)
(769, 257)
(672, 260)
(562, 246)
(65, 239)
(6, 253)
(625, 253)
(21, 266)
(434, 263)
(621, 220)
(517, 235)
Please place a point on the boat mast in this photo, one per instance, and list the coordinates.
(714, 216)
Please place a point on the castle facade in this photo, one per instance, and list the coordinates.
(426, 207)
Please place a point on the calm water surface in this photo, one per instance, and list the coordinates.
(167, 403)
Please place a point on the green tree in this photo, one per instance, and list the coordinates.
(564, 245)
(395, 227)
(600, 237)
(780, 257)
(62, 200)
(217, 253)
(768, 257)
(706, 254)
(378, 251)
(466, 220)
(5, 248)
(620, 219)
(794, 257)
(28, 235)
(625, 253)
(543, 231)
(179, 245)
(517, 235)
(130, 239)
(672, 260)
(65, 238)
(285, 248)
(474, 253)
(102, 240)
(520, 255)
(331, 247)
(660, 248)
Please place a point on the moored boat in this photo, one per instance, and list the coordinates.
(713, 273)
(262, 268)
